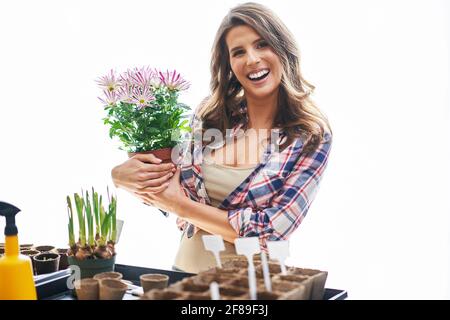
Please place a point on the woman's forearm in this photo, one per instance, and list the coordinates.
(208, 218)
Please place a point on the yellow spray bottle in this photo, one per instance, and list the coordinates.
(16, 273)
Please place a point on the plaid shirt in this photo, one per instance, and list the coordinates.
(273, 200)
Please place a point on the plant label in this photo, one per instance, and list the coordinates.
(214, 243)
(279, 250)
(119, 225)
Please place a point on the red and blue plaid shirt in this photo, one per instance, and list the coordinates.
(273, 200)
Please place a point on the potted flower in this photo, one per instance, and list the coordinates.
(143, 111)
(94, 252)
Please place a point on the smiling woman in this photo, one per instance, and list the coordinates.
(257, 93)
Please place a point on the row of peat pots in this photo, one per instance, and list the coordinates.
(45, 258)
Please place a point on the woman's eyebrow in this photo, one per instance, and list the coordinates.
(240, 47)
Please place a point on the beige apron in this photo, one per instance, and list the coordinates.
(220, 181)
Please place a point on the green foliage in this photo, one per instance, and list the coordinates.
(105, 221)
(160, 125)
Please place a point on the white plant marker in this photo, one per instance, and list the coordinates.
(214, 289)
(279, 250)
(214, 244)
(119, 226)
(248, 247)
(266, 273)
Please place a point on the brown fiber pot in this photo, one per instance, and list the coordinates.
(154, 281)
(108, 275)
(112, 289)
(28, 246)
(87, 289)
(46, 262)
(45, 248)
(164, 154)
(63, 262)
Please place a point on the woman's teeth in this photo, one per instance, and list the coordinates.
(258, 75)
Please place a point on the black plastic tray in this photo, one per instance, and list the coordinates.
(54, 285)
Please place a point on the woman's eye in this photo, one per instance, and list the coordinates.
(237, 52)
(262, 44)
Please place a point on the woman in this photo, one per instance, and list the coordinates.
(265, 187)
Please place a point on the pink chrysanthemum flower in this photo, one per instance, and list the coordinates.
(142, 77)
(126, 78)
(173, 80)
(109, 82)
(111, 97)
(156, 80)
(142, 97)
(126, 93)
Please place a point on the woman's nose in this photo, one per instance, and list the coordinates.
(252, 58)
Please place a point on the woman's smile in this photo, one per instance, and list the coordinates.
(259, 77)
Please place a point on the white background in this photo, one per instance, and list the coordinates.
(380, 223)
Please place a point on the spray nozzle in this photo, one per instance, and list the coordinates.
(9, 212)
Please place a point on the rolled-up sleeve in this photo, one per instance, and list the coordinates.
(290, 205)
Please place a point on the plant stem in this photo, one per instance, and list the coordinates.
(96, 212)
(104, 229)
(114, 224)
(81, 219)
(102, 213)
(70, 225)
(90, 220)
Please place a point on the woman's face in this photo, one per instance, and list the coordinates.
(255, 65)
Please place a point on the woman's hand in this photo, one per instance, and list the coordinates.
(143, 173)
(169, 199)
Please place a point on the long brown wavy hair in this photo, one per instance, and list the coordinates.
(297, 114)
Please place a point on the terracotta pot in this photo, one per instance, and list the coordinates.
(164, 154)
(154, 281)
(90, 267)
(112, 289)
(87, 289)
(46, 262)
(31, 254)
(45, 248)
(108, 275)
(63, 262)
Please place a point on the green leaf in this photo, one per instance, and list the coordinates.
(96, 211)
(70, 225)
(81, 219)
(113, 217)
(106, 225)
(90, 219)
